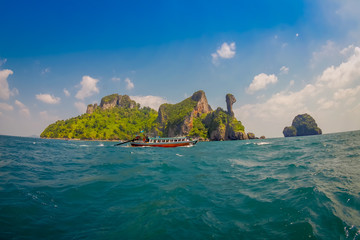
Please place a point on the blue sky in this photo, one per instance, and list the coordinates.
(278, 58)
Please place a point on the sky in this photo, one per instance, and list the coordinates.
(278, 58)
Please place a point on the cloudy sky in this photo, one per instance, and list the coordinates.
(278, 58)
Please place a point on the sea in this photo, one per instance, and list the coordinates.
(280, 188)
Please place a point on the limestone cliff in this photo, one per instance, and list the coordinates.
(194, 117)
(111, 101)
(177, 119)
(222, 126)
(230, 100)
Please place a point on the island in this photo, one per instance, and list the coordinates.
(302, 125)
(118, 117)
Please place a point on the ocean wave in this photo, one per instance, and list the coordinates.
(267, 189)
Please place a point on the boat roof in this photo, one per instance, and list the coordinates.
(166, 138)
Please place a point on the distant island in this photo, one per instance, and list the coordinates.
(302, 125)
(120, 118)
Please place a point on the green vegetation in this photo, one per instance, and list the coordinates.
(219, 119)
(216, 120)
(199, 129)
(237, 125)
(109, 98)
(302, 125)
(119, 117)
(289, 131)
(172, 115)
(115, 123)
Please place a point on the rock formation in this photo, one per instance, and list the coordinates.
(251, 135)
(302, 125)
(91, 108)
(111, 101)
(177, 119)
(194, 117)
(119, 117)
(230, 100)
(222, 126)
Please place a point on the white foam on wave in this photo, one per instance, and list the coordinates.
(101, 145)
(258, 143)
(244, 163)
(179, 155)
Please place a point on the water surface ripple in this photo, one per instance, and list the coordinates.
(293, 188)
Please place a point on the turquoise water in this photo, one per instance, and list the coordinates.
(293, 188)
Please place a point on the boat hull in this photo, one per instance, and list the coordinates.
(165, 145)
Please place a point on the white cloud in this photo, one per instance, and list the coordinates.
(153, 102)
(2, 61)
(23, 110)
(284, 70)
(47, 98)
(214, 58)
(6, 107)
(4, 86)
(345, 73)
(47, 117)
(226, 51)
(66, 92)
(88, 87)
(14, 92)
(129, 84)
(115, 79)
(350, 49)
(19, 104)
(45, 71)
(349, 10)
(333, 100)
(260, 82)
(81, 107)
(327, 52)
(346, 93)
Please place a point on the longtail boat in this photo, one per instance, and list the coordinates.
(163, 142)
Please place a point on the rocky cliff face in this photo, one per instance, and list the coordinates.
(111, 101)
(230, 100)
(177, 119)
(91, 108)
(222, 126)
(202, 105)
(302, 125)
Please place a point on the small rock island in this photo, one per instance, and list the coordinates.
(302, 125)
